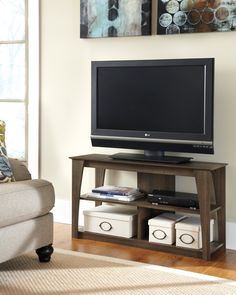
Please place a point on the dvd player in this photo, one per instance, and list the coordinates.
(178, 199)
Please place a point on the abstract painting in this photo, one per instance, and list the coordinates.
(114, 18)
(192, 16)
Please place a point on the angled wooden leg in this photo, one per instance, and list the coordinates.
(45, 253)
(206, 192)
(99, 180)
(77, 173)
(219, 181)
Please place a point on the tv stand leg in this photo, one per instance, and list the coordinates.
(205, 189)
(77, 174)
(99, 181)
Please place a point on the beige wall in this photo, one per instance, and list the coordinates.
(65, 96)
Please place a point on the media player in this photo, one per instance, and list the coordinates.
(179, 199)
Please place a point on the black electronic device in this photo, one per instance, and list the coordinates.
(178, 199)
(153, 105)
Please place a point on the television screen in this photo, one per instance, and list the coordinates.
(159, 99)
(164, 105)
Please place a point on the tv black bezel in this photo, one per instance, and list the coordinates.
(160, 141)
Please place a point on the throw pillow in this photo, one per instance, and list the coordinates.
(2, 132)
(6, 174)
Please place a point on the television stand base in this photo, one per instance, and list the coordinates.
(150, 158)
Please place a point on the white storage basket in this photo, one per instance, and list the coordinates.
(111, 220)
(162, 228)
(189, 233)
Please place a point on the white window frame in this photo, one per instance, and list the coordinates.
(32, 84)
(33, 87)
(23, 100)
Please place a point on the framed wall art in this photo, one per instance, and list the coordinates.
(192, 16)
(115, 18)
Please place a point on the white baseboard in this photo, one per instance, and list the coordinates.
(62, 211)
(62, 214)
(230, 235)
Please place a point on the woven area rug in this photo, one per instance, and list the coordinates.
(78, 273)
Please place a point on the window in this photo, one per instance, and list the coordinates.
(19, 78)
(13, 74)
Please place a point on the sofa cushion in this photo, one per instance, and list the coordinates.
(6, 174)
(22, 200)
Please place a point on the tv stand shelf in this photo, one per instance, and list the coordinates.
(210, 182)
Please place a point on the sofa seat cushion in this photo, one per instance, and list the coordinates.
(23, 200)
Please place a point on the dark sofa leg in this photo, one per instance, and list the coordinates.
(45, 253)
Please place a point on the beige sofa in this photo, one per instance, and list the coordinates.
(26, 223)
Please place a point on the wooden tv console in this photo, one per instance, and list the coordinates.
(210, 183)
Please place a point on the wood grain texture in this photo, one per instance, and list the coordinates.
(205, 189)
(223, 264)
(219, 183)
(77, 174)
(148, 182)
(151, 176)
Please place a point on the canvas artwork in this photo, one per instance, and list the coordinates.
(114, 18)
(192, 16)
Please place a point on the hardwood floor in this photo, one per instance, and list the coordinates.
(222, 265)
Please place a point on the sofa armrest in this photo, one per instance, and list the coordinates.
(19, 170)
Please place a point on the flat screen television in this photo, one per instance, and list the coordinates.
(153, 105)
